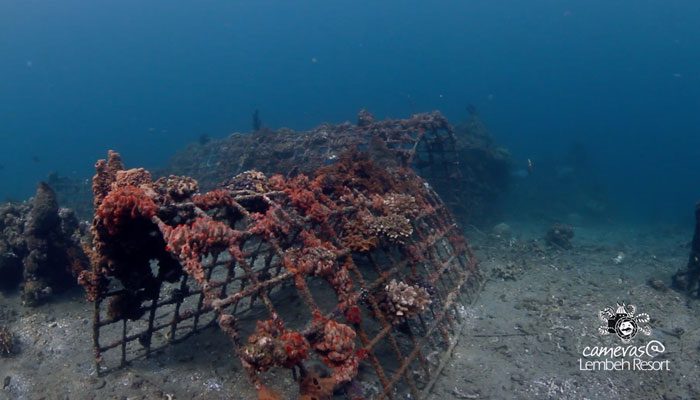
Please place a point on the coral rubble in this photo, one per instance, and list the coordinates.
(41, 247)
(365, 231)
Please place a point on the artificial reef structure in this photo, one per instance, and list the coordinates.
(463, 164)
(336, 247)
(352, 264)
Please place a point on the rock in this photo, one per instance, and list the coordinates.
(560, 235)
(502, 230)
(657, 284)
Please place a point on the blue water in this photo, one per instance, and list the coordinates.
(145, 78)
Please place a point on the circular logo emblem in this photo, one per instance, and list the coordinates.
(626, 328)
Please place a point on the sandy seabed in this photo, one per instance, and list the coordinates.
(533, 333)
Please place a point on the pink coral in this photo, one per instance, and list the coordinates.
(273, 345)
(194, 241)
(338, 349)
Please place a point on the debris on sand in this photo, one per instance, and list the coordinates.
(7, 342)
(560, 235)
(657, 284)
(502, 230)
(688, 278)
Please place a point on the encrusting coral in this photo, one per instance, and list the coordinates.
(203, 236)
(337, 346)
(271, 345)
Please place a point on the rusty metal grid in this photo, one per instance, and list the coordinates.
(425, 142)
(255, 285)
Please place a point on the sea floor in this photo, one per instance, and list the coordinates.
(522, 338)
(525, 336)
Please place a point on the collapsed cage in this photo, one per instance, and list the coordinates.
(425, 142)
(359, 267)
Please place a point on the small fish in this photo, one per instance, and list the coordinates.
(530, 166)
(36, 159)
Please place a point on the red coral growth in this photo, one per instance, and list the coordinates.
(415, 254)
(296, 347)
(272, 345)
(317, 260)
(357, 233)
(194, 241)
(122, 205)
(337, 345)
(457, 241)
(277, 182)
(355, 171)
(338, 342)
(270, 224)
(353, 314)
(215, 199)
(306, 196)
(347, 298)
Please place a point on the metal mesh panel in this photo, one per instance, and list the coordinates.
(357, 265)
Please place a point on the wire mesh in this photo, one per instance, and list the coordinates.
(357, 265)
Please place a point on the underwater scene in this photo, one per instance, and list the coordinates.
(325, 200)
